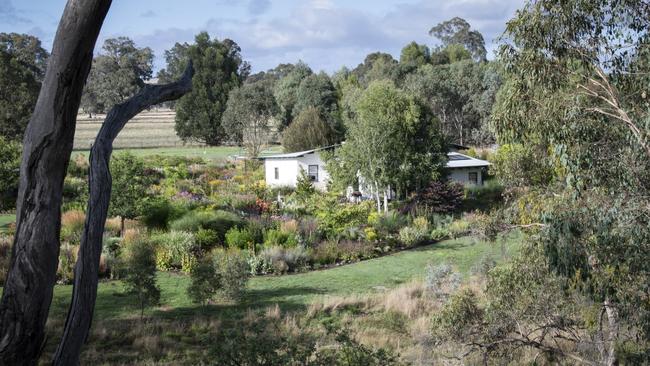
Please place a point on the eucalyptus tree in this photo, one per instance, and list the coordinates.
(460, 96)
(457, 31)
(28, 51)
(249, 116)
(576, 84)
(22, 67)
(47, 146)
(286, 91)
(117, 74)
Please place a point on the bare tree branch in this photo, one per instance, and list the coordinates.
(84, 295)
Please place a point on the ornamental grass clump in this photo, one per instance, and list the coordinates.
(175, 250)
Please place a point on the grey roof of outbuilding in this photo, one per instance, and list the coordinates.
(297, 154)
(456, 160)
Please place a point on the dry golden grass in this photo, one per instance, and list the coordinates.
(73, 219)
(154, 128)
(290, 226)
(113, 225)
(398, 319)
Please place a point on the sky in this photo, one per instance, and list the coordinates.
(326, 34)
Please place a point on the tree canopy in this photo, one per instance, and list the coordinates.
(308, 131)
(286, 91)
(117, 74)
(415, 54)
(219, 69)
(395, 143)
(22, 67)
(456, 31)
(248, 118)
(576, 84)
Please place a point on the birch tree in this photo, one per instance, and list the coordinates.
(395, 143)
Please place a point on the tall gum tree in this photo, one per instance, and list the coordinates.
(47, 146)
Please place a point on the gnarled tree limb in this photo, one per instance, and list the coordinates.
(46, 153)
(80, 314)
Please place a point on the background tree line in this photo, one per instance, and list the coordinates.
(290, 104)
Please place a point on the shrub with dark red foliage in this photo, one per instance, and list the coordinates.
(440, 197)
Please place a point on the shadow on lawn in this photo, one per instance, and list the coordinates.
(451, 245)
(287, 298)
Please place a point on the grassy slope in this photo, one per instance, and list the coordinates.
(295, 292)
(209, 153)
(5, 220)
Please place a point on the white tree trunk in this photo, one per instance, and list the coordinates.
(386, 200)
(376, 189)
(612, 331)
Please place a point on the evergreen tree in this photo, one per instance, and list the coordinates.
(219, 69)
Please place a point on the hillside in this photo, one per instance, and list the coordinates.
(153, 128)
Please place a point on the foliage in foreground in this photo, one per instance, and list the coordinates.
(140, 276)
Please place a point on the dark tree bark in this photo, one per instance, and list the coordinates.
(47, 146)
(80, 314)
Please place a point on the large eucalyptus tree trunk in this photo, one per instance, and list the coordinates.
(84, 295)
(47, 146)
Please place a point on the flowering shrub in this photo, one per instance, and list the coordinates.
(218, 221)
(233, 273)
(389, 223)
(278, 238)
(260, 265)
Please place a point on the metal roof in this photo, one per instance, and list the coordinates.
(297, 154)
(458, 160)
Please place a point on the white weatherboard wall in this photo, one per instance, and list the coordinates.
(289, 170)
(314, 159)
(461, 175)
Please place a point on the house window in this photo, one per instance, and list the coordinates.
(277, 173)
(473, 177)
(312, 172)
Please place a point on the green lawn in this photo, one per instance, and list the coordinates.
(209, 153)
(295, 292)
(5, 220)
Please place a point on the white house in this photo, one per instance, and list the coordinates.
(466, 169)
(283, 170)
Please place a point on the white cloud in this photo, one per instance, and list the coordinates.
(327, 36)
